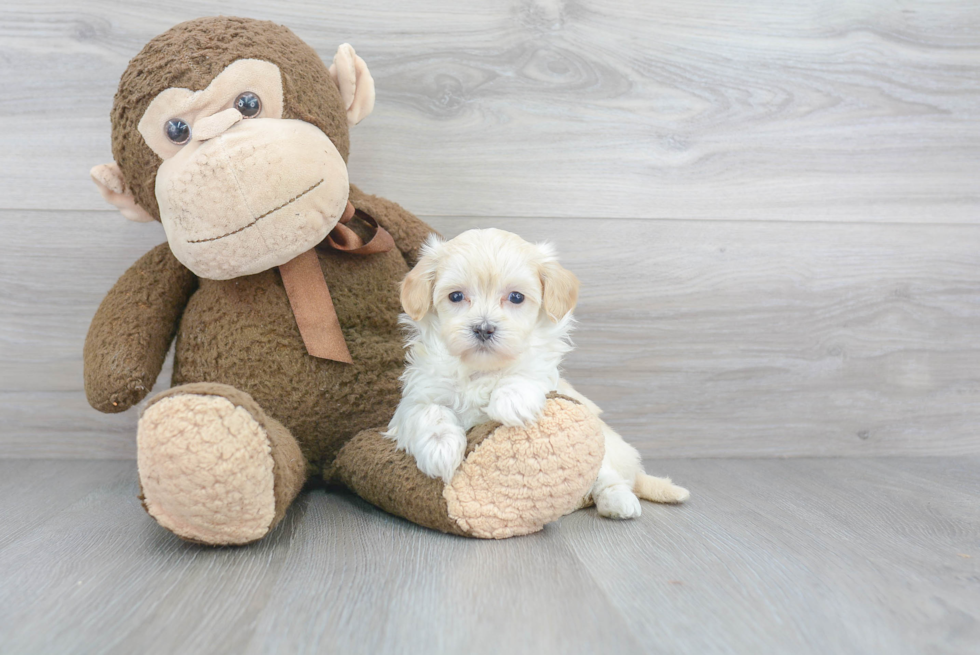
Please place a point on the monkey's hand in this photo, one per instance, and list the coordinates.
(132, 330)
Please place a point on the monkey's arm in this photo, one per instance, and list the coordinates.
(405, 228)
(132, 330)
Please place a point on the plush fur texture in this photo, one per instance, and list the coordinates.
(290, 469)
(241, 332)
(246, 221)
(490, 316)
(190, 56)
(242, 195)
(214, 468)
(373, 468)
(252, 416)
(354, 80)
(131, 332)
(522, 477)
(512, 481)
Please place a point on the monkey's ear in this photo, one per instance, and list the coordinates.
(352, 77)
(417, 286)
(113, 188)
(559, 289)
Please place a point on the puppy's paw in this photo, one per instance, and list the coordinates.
(618, 502)
(440, 453)
(516, 405)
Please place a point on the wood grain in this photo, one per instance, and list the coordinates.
(778, 556)
(33, 492)
(773, 208)
(542, 108)
(803, 556)
(698, 338)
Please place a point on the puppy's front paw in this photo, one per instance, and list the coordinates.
(618, 502)
(440, 453)
(516, 405)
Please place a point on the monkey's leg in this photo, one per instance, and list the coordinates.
(213, 468)
(513, 481)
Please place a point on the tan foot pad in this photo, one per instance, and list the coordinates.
(206, 469)
(518, 479)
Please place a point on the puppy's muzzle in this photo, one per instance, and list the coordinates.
(484, 331)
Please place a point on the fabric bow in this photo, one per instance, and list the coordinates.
(308, 293)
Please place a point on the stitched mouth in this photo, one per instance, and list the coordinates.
(271, 211)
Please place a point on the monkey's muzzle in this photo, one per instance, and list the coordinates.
(252, 197)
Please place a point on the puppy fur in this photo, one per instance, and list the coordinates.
(489, 317)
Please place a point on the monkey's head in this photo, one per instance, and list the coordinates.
(234, 134)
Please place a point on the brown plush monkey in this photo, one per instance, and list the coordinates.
(279, 282)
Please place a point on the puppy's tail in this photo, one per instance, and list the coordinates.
(659, 490)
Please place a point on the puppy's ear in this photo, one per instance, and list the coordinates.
(416, 293)
(559, 289)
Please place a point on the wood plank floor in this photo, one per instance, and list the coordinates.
(770, 556)
(774, 211)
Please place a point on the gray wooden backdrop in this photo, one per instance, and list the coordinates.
(774, 206)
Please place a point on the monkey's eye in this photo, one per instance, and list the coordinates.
(456, 296)
(516, 297)
(177, 131)
(249, 104)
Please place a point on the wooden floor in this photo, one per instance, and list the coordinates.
(774, 211)
(770, 556)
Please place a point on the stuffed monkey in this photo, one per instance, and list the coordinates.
(279, 282)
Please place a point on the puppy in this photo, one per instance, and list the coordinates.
(489, 317)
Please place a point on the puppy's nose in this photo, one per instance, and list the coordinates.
(484, 331)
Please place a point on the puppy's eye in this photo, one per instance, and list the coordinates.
(249, 104)
(456, 296)
(516, 297)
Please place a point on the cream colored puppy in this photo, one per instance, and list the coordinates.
(489, 317)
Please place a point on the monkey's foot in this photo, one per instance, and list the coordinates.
(213, 467)
(513, 480)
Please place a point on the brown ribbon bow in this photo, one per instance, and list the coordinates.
(308, 293)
